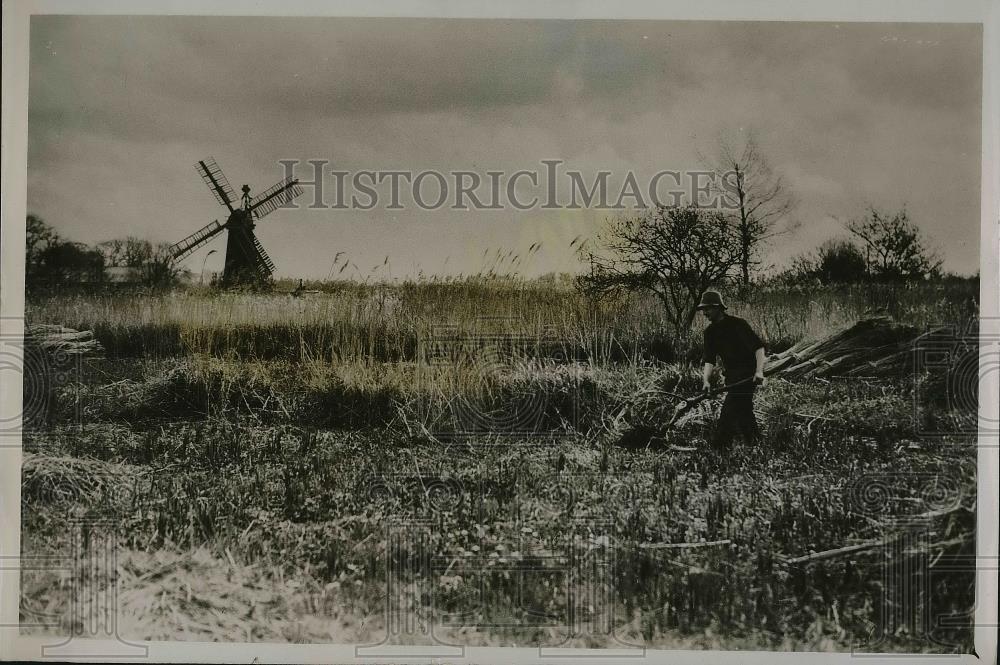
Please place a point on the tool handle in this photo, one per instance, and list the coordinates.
(712, 393)
(688, 403)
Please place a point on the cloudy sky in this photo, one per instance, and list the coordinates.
(850, 114)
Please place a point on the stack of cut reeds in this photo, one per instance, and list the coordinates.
(61, 478)
(875, 347)
(50, 354)
(61, 341)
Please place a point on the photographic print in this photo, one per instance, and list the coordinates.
(423, 334)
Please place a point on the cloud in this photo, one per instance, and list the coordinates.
(120, 107)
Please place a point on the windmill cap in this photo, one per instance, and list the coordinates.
(711, 299)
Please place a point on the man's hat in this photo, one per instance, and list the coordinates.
(711, 299)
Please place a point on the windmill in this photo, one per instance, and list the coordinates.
(246, 261)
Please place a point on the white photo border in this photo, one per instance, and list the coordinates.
(16, 16)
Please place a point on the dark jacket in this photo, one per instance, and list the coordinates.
(735, 342)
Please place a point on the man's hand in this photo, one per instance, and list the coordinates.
(706, 377)
(758, 375)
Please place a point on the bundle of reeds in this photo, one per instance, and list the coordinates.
(59, 478)
(877, 347)
(57, 340)
(51, 352)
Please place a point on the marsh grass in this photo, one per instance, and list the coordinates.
(388, 323)
(255, 445)
(309, 505)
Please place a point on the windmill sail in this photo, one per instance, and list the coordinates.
(275, 197)
(265, 266)
(217, 182)
(185, 247)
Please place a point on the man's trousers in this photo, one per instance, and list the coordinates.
(737, 417)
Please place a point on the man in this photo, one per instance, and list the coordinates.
(742, 352)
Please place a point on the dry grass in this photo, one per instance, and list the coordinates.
(352, 322)
(251, 447)
(304, 510)
(64, 479)
(198, 596)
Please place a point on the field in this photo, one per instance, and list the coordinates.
(311, 469)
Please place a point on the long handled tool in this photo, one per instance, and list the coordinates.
(687, 403)
(701, 397)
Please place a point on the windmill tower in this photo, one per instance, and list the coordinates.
(246, 263)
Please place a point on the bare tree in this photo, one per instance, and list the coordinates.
(113, 252)
(676, 253)
(756, 196)
(894, 246)
(159, 269)
(136, 252)
(836, 261)
(62, 262)
(149, 264)
(38, 237)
